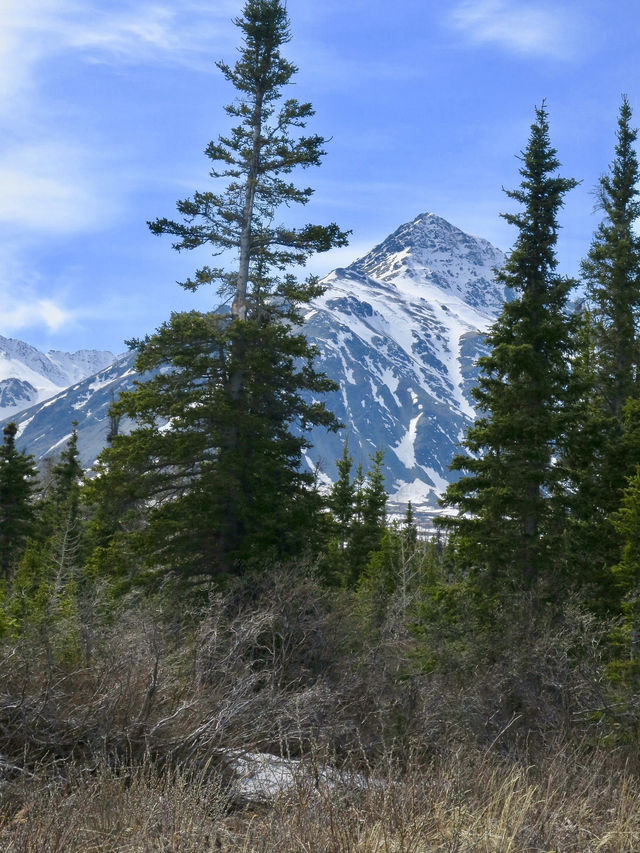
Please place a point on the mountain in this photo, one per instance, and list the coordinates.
(28, 376)
(44, 429)
(399, 329)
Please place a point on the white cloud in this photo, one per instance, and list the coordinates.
(182, 31)
(39, 313)
(53, 170)
(52, 187)
(21, 293)
(54, 174)
(524, 28)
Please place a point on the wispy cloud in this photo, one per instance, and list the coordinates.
(52, 172)
(31, 31)
(42, 313)
(533, 28)
(182, 32)
(23, 305)
(51, 186)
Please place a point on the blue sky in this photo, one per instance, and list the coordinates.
(106, 108)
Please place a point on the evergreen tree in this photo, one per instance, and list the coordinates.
(67, 475)
(64, 503)
(211, 476)
(342, 497)
(341, 504)
(601, 452)
(61, 494)
(409, 528)
(17, 491)
(374, 512)
(508, 528)
(627, 575)
(48, 573)
(612, 274)
(369, 520)
(357, 513)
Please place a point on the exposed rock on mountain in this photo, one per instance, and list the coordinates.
(45, 428)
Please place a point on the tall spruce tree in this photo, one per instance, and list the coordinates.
(342, 496)
(211, 476)
(17, 491)
(601, 453)
(357, 520)
(340, 501)
(612, 273)
(46, 581)
(507, 528)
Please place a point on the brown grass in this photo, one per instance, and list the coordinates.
(468, 803)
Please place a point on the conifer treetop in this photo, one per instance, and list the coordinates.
(255, 159)
(541, 193)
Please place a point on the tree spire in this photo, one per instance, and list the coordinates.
(506, 499)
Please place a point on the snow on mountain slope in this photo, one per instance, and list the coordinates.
(43, 429)
(28, 376)
(400, 331)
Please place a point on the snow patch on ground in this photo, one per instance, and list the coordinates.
(438, 481)
(388, 378)
(62, 441)
(260, 777)
(97, 384)
(23, 426)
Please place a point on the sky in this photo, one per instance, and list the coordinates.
(106, 108)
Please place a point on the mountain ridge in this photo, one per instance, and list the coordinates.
(29, 376)
(400, 329)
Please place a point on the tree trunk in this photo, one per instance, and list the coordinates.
(239, 306)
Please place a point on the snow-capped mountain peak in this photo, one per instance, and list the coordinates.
(401, 330)
(431, 249)
(28, 376)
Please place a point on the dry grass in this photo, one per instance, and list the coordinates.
(469, 803)
(107, 811)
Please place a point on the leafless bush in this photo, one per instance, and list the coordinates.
(252, 675)
(492, 752)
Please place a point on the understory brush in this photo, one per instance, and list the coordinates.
(515, 745)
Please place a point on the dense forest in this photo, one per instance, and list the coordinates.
(197, 595)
